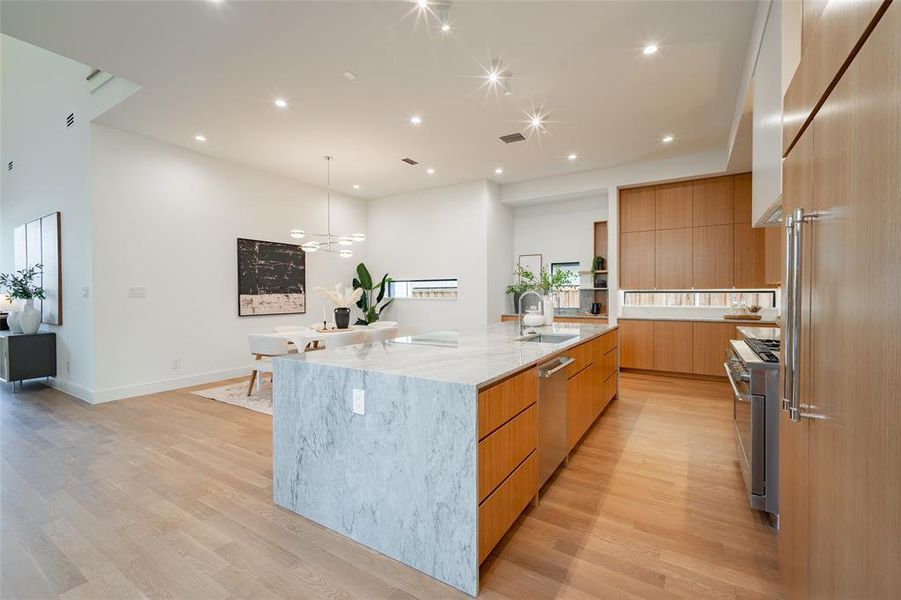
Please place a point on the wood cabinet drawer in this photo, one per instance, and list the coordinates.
(502, 451)
(498, 512)
(582, 355)
(604, 344)
(608, 391)
(609, 363)
(503, 401)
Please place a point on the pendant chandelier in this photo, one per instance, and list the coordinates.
(327, 242)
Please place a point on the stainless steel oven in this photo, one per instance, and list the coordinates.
(753, 370)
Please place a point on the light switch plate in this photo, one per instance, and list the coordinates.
(359, 407)
(137, 292)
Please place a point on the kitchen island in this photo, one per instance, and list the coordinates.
(424, 448)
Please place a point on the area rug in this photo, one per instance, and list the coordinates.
(236, 393)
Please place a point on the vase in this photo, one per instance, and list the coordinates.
(30, 318)
(548, 310)
(12, 320)
(342, 318)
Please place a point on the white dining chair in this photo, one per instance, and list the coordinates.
(380, 334)
(383, 324)
(264, 346)
(336, 340)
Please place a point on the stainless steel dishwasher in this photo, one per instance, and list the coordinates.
(551, 416)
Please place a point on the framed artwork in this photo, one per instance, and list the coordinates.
(532, 262)
(272, 278)
(38, 243)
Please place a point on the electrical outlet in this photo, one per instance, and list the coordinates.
(176, 364)
(137, 292)
(85, 291)
(359, 407)
(68, 367)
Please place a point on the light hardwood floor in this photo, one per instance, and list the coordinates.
(169, 496)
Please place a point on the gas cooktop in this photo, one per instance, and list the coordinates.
(767, 350)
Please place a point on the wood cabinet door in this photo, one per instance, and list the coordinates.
(774, 256)
(636, 260)
(713, 201)
(853, 370)
(742, 195)
(797, 171)
(673, 205)
(672, 258)
(672, 346)
(636, 209)
(712, 257)
(709, 344)
(579, 402)
(750, 256)
(636, 344)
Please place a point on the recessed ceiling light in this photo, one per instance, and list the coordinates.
(445, 27)
(356, 186)
(348, 75)
(415, 119)
(422, 3)
(667, 139)
(430, 171)
(650, 49)
(279, 102)
(536, 120)
(573, 156)
(200, 137)
(498, 170)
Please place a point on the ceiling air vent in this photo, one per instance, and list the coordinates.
(9, 167)
(513, 137)
(70, 120)
(410, 161)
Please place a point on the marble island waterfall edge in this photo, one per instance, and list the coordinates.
(400, 479)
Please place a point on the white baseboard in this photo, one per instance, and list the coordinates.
(163, 385)
(73, 389)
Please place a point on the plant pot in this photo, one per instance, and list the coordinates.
(30, 318)
(12, 320)
(342, 318)
(516, 303)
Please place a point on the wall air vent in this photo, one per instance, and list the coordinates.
(70, 120)
(9, 167)
(410, 161)
(513, 137)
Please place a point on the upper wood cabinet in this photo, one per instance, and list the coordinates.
(636, 344)
(673, 205)
(672, 346)
(742, 197)
(712, 257)
(636, 209)
(750, 256)
(673, 263)
(637, 260)
(713, 201)
(774, 249)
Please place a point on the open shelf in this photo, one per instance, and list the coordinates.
(591, 272)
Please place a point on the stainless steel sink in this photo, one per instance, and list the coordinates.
(548, 338)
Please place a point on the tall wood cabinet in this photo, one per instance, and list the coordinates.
(691, 234)
(840, 464)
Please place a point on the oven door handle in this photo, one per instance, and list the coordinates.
(738, 394)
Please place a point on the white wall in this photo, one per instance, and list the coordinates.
(438, 233)
(500, 254)
(167, 219)
(560, 231)
(51, 173)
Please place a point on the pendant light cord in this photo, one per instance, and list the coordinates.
(328, 196)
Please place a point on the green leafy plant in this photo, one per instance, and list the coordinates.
(525, 281)
(551, 283)
(372, 300)
(20, 286)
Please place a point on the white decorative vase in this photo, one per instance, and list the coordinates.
(30, 318)
(12, 319)
(548, 310)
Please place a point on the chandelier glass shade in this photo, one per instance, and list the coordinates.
(328, 242)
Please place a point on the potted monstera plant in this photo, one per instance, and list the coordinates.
(372, 300)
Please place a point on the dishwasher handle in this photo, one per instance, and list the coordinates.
(562, 363)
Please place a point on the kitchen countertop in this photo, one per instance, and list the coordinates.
(479, 357)
(565, 316)
(699, 319)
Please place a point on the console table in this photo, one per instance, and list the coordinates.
(27, 356)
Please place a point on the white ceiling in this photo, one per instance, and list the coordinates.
(215, 68)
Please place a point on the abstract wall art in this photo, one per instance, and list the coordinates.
(271, 278)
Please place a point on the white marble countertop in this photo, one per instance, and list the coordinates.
(745, 322)
(478, 357)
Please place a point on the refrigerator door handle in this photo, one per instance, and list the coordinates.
(787, 340)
